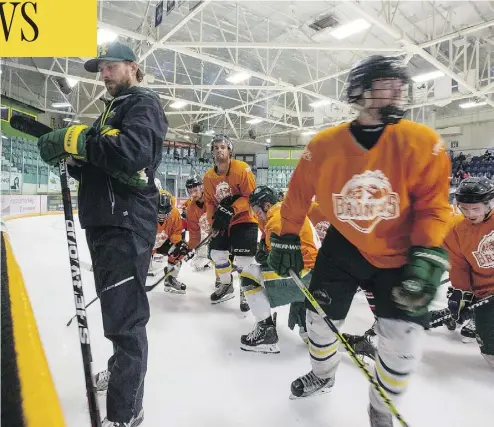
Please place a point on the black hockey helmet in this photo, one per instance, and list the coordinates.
(164, 206)
(261, 195)
(475, 190)
(377, 67)
(193, 181)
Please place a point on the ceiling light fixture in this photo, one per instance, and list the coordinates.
(254, 121)
(427, 76)
(178, 104)
(349, 29)
(472, 104)
(106, 36)
(238, 77)
(61, 104)
(320, 103)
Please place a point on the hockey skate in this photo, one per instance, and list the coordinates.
(310, 385)
(362, 345)
(223, 292)
(101, 380)
(134, 422)
(244, 306)
(379, 419)
(173, 286)
(468, 332)
(450, 323)
(263, 339)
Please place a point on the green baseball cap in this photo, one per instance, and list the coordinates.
(114, 52)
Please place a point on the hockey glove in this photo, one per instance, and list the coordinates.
(421, 279)
(178, 252)
(62, 143)
(286, 254)
(458, 303)
(222, 217)
(262, 253)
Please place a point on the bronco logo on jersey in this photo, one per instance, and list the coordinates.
(204, 224)
(222, 190)
(322, 229)
(484, 254)
(366, 200)
(161, 238)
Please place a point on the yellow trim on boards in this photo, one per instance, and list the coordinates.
(40, 403)
(27, 215)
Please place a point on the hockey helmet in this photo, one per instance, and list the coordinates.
(261, 195)
(164, 206)
(193, 181)
(377, 67)
(475, 190)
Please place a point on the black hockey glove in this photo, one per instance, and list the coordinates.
(421, 279)
(286, 254)
(262, 253)
(458, 303)
(222, 217)
(178, 252)
(165, 247)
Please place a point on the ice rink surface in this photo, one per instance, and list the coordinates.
(199, 377)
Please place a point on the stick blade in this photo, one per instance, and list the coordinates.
(29, 125)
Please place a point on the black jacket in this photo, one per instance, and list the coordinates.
(105, 201)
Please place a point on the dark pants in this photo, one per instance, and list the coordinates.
(120, 261)
(241, 240)
(484, 325)
(340, 269)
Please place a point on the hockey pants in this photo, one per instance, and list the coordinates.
(340, 269)
(120, 260)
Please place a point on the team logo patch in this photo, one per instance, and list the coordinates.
(161, 238)
(484, 255)
(306, 155)
(322, 229)
(366, 200)
(222, 190)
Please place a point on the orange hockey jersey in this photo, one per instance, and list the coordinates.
(471, 254)
(170, 229)
(197, 223)
(319, 221)
(273, 225)
(382, 200)
(238, 179)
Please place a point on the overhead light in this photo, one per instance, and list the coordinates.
(61, 104)
(179, 104)
(4, 137)
(427, 76)
(320, 103)
(472, 104)
(187, 137)
(238, 77)
(254, 121)
(309, 132)
(71, 82)
(209, 132)
(106, 36)
(68, 119)
(349, 29)
(268, 140)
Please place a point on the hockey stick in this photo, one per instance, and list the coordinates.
(34, 128)
(384, 396)
(186, 258)
(479, 303)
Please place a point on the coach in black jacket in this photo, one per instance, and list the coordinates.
(115, 162)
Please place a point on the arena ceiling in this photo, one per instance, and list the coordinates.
(275, 67)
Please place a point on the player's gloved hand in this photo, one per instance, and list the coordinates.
(164, 249)
(178, 252)
(262, 253)
(222, 217)
(458, 303)
(421, 279)
(285, 254)
(62, 143)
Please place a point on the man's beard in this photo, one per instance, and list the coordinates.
(117, 88)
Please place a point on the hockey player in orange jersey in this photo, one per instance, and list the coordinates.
(169, 242)
(470, 245)
(382, 182)
(227, 187)
(197, 222)
(263, 288)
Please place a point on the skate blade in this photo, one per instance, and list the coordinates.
(316, 393)
(225, 298)
(467, 340)
(174, 291)
(263, 348)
